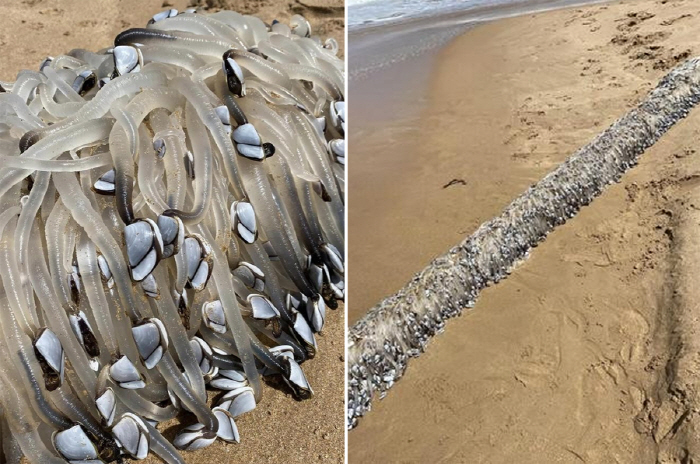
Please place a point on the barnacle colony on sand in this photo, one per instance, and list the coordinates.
(381, 344)
(171, 218)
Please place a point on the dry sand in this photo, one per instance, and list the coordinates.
(588, 351)
(280, 429)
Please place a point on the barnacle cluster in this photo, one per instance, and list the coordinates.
(171, 219)
(399, 327)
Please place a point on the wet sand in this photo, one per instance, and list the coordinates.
(390, 69)
(280, 429)
(388, 77)
(574, 357)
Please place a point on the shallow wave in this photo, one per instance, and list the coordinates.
(371, 12)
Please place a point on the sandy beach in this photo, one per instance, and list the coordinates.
(582, 354)
(281, 429)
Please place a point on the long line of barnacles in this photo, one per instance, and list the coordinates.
(171, 218)
(399, 327)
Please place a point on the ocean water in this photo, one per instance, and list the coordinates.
(367, 13)
(376, 12)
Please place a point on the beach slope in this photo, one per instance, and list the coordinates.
(581, 355)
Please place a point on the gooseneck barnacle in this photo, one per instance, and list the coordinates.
(160, 201)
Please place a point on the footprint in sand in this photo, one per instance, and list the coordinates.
(632, 21)
(668, 22)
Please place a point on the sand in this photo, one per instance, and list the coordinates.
(33, 29)
(587, 352)
(280, 429)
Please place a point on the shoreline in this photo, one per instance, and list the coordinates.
(478, 14)
(394, 98)
(565, 360)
